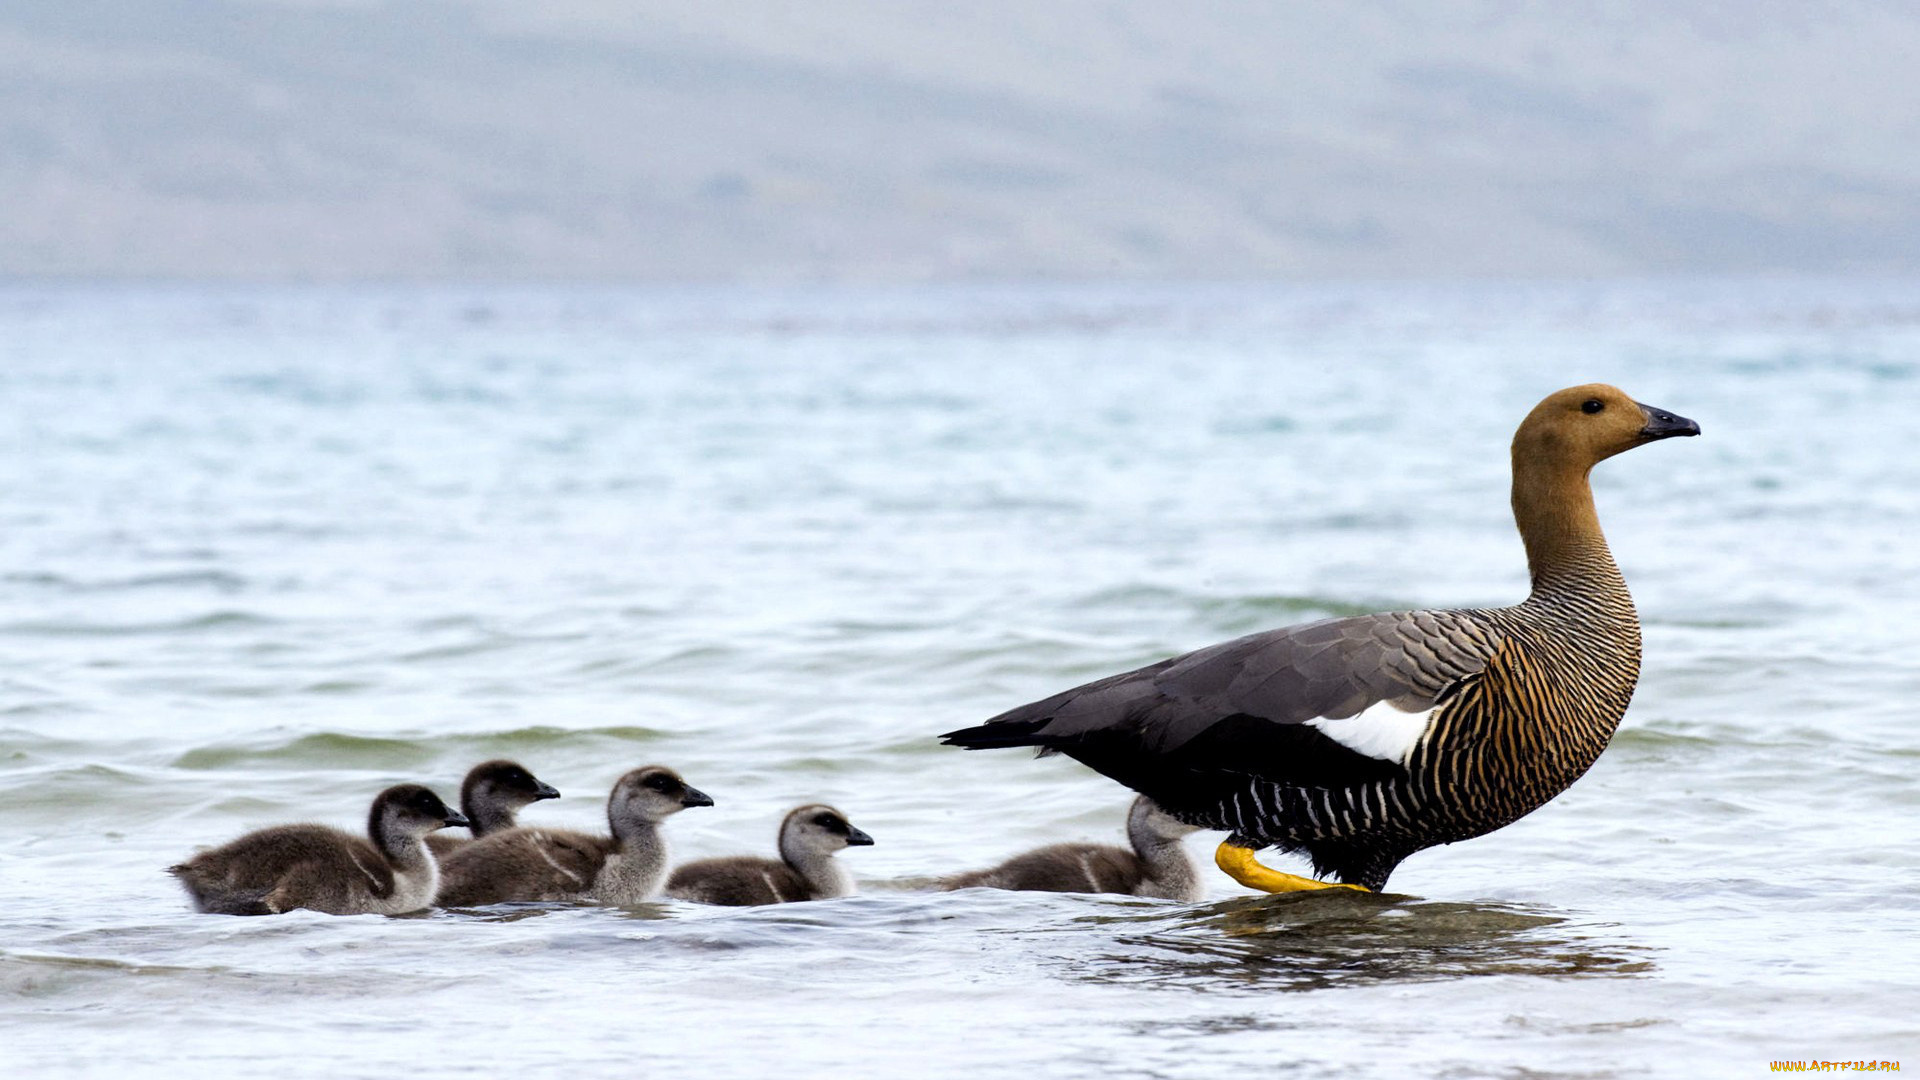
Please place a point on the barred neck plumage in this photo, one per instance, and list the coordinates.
(1574, 576)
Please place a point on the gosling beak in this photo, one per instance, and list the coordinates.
(695, 797)
(856, 838)
(1662, 424)
(456, 820)
(545, 791)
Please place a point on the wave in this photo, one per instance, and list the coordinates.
(340, 749)
(220, 581)
(224, 620)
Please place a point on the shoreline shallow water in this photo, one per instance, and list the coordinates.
(268, 550)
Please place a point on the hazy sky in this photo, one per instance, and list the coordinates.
(880, 140)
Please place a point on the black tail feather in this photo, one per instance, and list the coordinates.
(999, 735)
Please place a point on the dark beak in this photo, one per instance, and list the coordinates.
(1662, 424)
(695, 797)
(545, 791)
(456, 819)
(856, 838)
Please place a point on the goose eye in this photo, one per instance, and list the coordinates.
(660, 783)
(1592, 405)
(827, 822)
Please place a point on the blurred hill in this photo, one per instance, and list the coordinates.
(909, 140)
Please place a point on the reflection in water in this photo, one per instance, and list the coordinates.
(517, 911)
(1314, 941)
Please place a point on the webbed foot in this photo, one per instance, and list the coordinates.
(1238, 861)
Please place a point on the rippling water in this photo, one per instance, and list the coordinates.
(268, 551)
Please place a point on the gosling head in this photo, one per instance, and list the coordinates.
(1147, 823)
(817, 830)
(649, 795)
(410, 810)
(1583, 425)
(502, 785)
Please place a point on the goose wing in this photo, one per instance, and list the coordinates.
(1333, 703)
(263, 860)
(522, 864)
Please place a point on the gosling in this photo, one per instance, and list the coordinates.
(806, 869)
(323, 869)
(527, 864)
(493, 792)
(1158, 865)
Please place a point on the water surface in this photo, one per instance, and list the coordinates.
(266, 551)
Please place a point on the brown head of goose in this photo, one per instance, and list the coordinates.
(806, 870)
(626, 867)
(388, 872)
(491, 797)
(1157, 864)
(1362, 740)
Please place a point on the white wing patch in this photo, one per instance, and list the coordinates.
(564, 872)
(1379, 731)
(373, 882)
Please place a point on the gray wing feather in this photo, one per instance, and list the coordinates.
(1334, 668)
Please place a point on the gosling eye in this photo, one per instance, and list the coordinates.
(662, 783)
(1592, 405)
(828, 822)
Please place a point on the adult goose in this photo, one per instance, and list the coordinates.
(621, 869)
(1362, 740)
(1154, 864)
(490, 798)
(806, 870)
(268, 871)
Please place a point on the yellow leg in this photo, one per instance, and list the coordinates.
(1242, 867)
